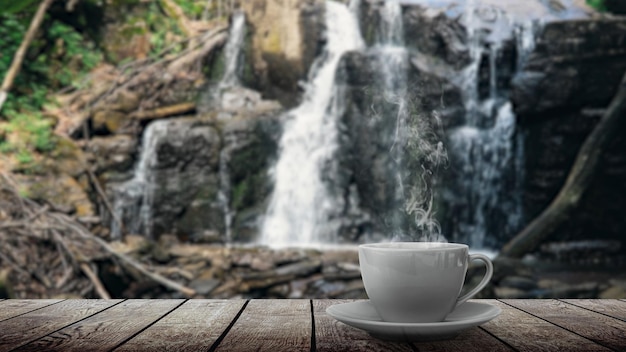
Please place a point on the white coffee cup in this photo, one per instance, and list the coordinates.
(417, 282)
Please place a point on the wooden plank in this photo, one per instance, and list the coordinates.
(525, 332)
(475, 339)
(13, 307)
(611, 307)
(35, 324)
(194, 326)
(106, 330)
(597, 327)
(271, 325)
(332, 335)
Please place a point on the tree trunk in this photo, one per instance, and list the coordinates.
(21, 51)
(580, 176)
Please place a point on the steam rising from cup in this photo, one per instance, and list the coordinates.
(417, 153)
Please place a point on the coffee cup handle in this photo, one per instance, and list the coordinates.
(483, 282)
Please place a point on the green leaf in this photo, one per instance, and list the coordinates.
(13, 6)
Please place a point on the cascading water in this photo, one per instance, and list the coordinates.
(133, 199)
(301, 206)
(231, 79)
(486, 151)
(232, 50)
(415, 157)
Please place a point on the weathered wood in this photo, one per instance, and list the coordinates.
(332, 335)
(14, 307)
(612, 307)
(194, 326)
(106, 330)
(597, 327)
(165, 111)
(525, 332)
(25, 328)
(286, 325)
(271, 325)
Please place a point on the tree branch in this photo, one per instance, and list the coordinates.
(21, 51)
(580, 176)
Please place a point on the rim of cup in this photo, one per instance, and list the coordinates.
(412, 246)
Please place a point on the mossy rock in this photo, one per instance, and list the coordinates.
(66, 157)
(109, 120)
(62, 191)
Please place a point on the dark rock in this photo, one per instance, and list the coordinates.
(372, 156)
(446, 37)
(250, 146)
(177, 184)
(573, 65)
(113, 153)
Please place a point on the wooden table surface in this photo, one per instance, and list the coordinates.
(291, 325)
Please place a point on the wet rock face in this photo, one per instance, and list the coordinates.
(250, 147)
(575, 64)
(560, 95)
(185, 180)
(555, 60)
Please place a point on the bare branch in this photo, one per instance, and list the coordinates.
(16, 64)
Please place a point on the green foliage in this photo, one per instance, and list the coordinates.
(29, 133)
(192, 9)
(57, 58)
(597, 4)
(13, 6)
(164, 30)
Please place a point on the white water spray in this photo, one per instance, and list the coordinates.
(133, 199)
(301, 205)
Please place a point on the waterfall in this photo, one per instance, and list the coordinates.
(230, 79)
(133, 199)
(487, 151)
(232, 51)
(301, 205)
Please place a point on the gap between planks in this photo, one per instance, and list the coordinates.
(558, 313)
(612, 308)
(9, 307)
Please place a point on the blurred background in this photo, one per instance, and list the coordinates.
(238, 149)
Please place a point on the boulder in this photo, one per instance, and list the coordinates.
(574, 65)
(63, 192)
(285, 37)
(175, 181)
(112, 153)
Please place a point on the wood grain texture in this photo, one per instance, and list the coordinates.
(194, 326)
(35, 324)
(271, 325)
(13, 307)
(611, 307)
(525, 332)
(332, 335)
(106, 330)
(286, 325)
(597, 327)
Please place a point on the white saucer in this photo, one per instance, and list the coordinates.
(363, 315)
